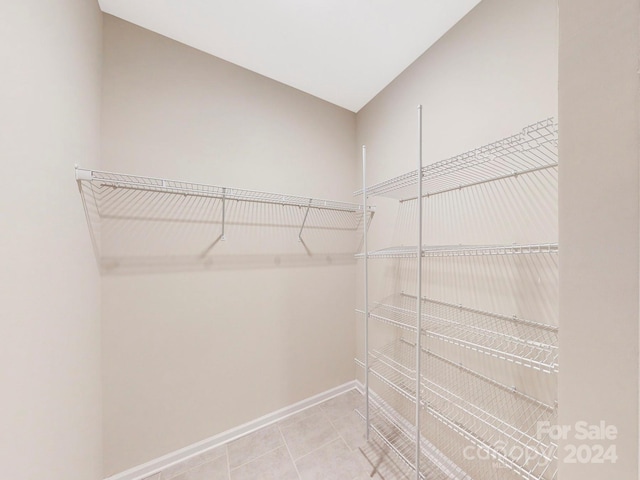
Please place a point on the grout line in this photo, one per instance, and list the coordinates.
(254, 458)
(226, 450)
(338, 432)
(320, 447)
(289, 452)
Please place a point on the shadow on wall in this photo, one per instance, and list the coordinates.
(155, 229)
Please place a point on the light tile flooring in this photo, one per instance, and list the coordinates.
(324, 442)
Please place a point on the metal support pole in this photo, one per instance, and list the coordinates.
(366, 286)
(419, 299)
(305, 220)
(224, 207)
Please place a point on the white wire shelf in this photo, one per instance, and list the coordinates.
(137, 219)
(399, 436)
(495, 418)
(533, 149)
(125, 181)
(394, 370)
(523, 342)
(391, 314)
(464, 250)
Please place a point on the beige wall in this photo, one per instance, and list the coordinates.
(599, 145)
(489, 76)
(190, 354)
(50, 401)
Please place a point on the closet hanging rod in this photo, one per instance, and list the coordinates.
(533, 149)
(159, 185)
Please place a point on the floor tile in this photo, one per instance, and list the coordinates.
(254, 445)
(343, 405)
(274, 465)
(306, 413)
(308, 434)
(217, 469)
(332, 462)
(352, 430)
(211, 454)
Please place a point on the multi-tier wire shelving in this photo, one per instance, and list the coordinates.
(169, 217)
(440, 405)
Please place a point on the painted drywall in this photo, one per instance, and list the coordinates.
(599, 225)
(50, 406)
(189, 354)
(488, 77)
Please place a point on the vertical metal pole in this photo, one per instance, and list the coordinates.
(366, 285)
(419, 296)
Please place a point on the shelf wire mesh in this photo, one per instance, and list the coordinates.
(533, 149)
(523, 342)
(159, 185)
(463, 250)
(497, 419)
(398, 435)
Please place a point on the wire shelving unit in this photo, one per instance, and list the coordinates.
(142, 210)
(457, 406)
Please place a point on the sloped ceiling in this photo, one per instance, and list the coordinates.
(343, 51)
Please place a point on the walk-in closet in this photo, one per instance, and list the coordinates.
(330, 240)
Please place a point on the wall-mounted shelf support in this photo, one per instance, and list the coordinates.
(224, 211)
(306, 215)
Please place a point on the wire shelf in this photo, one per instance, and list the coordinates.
(533, 149)
(392, 314)
(394, 367)
(125, 181)
(136, 220)
(463, 250)
(495, 418)
(399, 436)
(523, 342)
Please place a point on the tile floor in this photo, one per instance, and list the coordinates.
(324, 442)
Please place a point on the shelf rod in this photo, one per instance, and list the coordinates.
(366, 288)
(419, 299)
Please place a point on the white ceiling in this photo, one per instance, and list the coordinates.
(343, 51)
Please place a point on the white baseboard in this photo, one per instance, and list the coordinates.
(154, 466)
